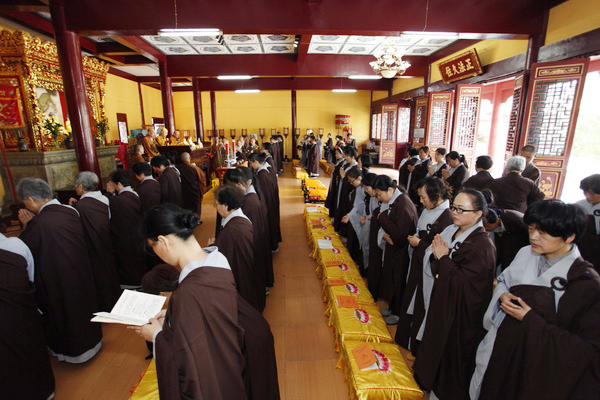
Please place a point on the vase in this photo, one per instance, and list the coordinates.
(69, 144)
(22, 144)
(97, 142)
(56, 145)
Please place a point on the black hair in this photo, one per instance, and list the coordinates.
(425, 149)
(159, 161)
(172, 156)
(365, 160)
(248, 174)
(528, 148)
(354, 173)
(477, 198)
(441, 151)
(350, 151)
(254, 157)
(234, 175)
(169, 219)
(412, 151)
(591, 184)
(557, 218)
(434, 187)
(484, 162)
(454, 155)
(383, 183)
(492, 215)
(121, 176)
(489, 196)
(142, 168)
(339, 150)
(230, 195)
(267, 146)
(369, 179)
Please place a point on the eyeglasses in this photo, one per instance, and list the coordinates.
(459, 210)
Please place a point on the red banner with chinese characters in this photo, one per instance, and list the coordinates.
(10, 112)
(464, 65)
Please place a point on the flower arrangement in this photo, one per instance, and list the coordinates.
(53, 130)
(101, 129)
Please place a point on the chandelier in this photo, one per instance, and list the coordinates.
(389, 62)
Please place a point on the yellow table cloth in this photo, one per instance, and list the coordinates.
(392, 380)
(147, 388)
(364, 324)
(348, 272)
(354, 287)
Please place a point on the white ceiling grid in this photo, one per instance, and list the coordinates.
(230, 44)
(408, 44)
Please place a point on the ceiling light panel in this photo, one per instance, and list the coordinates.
(226, 44)
(409, 44)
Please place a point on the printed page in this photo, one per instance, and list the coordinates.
(133, 308)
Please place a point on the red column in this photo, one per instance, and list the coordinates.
(69, 57)
(213, 111)
(198, 109)
(166, 90)
(294, 126)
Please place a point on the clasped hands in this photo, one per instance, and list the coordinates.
(147, 331)
(516, 311)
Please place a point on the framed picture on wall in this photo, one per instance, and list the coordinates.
(50, 103)
(122, 125)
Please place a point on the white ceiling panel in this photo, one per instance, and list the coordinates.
(324, 48)
(138, 70)
(240, 39)
(328, 38)
(246, 49)
(354, 48)
(278, 48)
(202, 40)
(420, 51)
(164, 40)
(373, 40)
(212, 49)
(178, 50)
(277, 38)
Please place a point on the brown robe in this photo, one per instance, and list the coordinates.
(274, 157)
(236, 242)
(191, 191)
(334, 186)
(461, 293)
(513, 192)
(375, 258)
(551, 354)
(271, 161)
(64, 280)
(409, 325)
(514, 239)
(403, 172)
(589, 244)
(456, 180)
(481, 180)
(418, 174)
(24, 364)
(532, 172)
(149, 191)
(255, 210)
(399, 222)
(129, 245)
(136, 158)
(312, 161)
(280, 154)
(149, 147)
(95, 222)
(199, 351)
(170, 187)
(269, 192)
(344, 206)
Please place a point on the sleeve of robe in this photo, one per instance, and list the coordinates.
(399, 228)
(534, 195)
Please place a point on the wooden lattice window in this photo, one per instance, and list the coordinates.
(403, 125)
(513, 124)
(438, 122)
(466, 120)
(387, 149)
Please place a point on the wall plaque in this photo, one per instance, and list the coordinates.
(464, 65)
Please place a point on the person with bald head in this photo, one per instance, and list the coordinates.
(148, 143)
(191, 184)
(138, 156)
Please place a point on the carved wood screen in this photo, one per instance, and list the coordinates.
(389, 119)
(420, 120)
(403, 124)
(466, 120)
(376, 124)
(551, 115)
(513, 125)
(439, 116)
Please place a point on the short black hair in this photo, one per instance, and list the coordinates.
(441, 151)
(260, 157)
(413, 151)
(167, 219)
(425, 149)
(121, 176)
(267, 146)
(159, 161)
(477, 198)
(230, 195)
(383, 183)
(455, 155)
(557, 218)
(434, 187)
(369, 179)
(350, 151)
(484, 162)
(234, 175)
(142, 168)
(354, 173)
(591, 184)
(528, 148)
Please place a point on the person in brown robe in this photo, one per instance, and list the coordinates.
(64, 279)
(440, 163)
(344, 205)
(269, 191)
(125, 223)
(531, 171)
(509, 234)
(138, 156)
(456, 174)
(334, 182)
(398, 219)
(169, 179)
(94, 213)
(513, 192)
(280, 154)
(25, 364)
(543, 339)
(191, 185)
(375, 254)
(457, 290)
(312, 154)
(411, 159)
(434, 218)
(236, 242)
(418, 171)
(148, 189)
(267, 149)
(589, 243)
(273, 149)
(482, 179)
(148, 141)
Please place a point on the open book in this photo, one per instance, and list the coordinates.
(132, 308)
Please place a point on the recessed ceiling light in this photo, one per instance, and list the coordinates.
(343, 90)
(234, 77)
(364, 77)
(190, 32)
(247, 91)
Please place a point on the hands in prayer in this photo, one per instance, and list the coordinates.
(72, 201)
(430, 170)
(414, 240)
(110, 187)
(342, 173)
(507, 304)
(445, 173)
(25, 216)
(439, 247)
(388, 239)
(410, 168)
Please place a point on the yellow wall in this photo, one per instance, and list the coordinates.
(152, 104)
(122, 96)
(379, 94)
(489, 51)
(572, 18)
(404, 84)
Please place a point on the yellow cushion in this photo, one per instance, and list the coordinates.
(147, 388)
(354, 287)
(364, 324)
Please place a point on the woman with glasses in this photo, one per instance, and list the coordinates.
(543, 320)
(435, 217)
(398, 219)
(458, 277)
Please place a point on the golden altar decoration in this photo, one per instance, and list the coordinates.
(30, 71)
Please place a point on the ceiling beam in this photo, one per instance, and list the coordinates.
(303, 47)
(23, 6)
(113, 48)
(211, 84)
(142, 47)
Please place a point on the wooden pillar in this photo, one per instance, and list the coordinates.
(294, 126)
(426, 80)
(166, 91)
(198, 109)
(213, 112)
(141, 104)
(71, 67)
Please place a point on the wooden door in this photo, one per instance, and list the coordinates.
(466, 120)
(403, 130)
(439, 117)
(420, 120)
(551, 115)
(388, 129)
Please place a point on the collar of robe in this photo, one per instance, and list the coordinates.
(214, 259)
(452, 169)
(428, 217)
(352, 164)
(386, 206)
(235, 213)
(55, 202)
(591, 209)
(128, 189)
(264, 167)
(97, 195)
(250, 189)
